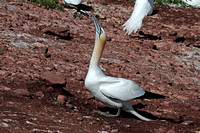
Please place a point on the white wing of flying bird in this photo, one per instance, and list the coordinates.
(73, 2)
(114, 92)
(194, 3)
(142, 8)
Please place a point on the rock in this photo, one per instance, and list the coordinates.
(22, 92)
(39, 94)
(3, 124)
(2, 72)
(69, 105)
(188, 123)
(160, 130)
(107, 127)
(127, 126)
(88, 95)
(2, 49)
(3, 88)
(159, 45)
(80, 118)
(54, 78)
(50, 89)
(40, 47)
(61, 99)
(171, 131)
(114, 131)
(172, 33)
(180, 97)
(61, 32)
(6, 88)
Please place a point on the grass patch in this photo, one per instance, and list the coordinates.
(54, 4)
(179, 3)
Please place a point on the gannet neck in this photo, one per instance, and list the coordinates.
(100, 41)
(97, 52)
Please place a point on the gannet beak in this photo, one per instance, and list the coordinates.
(98, 28)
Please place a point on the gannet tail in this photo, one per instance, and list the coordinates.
(128, 108)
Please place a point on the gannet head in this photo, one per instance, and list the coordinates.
(100, 33)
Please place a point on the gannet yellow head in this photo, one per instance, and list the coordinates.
(100, 35)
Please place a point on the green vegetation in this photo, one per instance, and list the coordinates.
(37, 81)
(77, 15)
(167, 2)
(49, 3)
(57, 103)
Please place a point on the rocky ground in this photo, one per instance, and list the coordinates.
(44, 58)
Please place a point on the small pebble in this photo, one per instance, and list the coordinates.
(128, 126)
(187, 123)
(171, 131)
(114, 131)
(61, 99)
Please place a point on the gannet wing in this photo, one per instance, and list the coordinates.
(141, 9)
(194, 3)
(73, 2)
(119, 88)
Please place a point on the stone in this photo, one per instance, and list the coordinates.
(50, 89)
(69, 105)
(6, 88)
(159, 45)
(88, 95)
(3, 88)
(39, 94)
(61, 32)
(54, 78)
(188, 122)
(22, 92)
(171, 131)
(61, 99)
(172, 33)
(114, 131)
(127, 126)
(180, 97)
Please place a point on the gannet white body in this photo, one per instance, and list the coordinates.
(73, 2)
(113, 92)
(194, 3)
(142, 8)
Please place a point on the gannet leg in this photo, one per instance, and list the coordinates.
(107, 114)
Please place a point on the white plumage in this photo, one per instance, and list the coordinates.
(194, 3)
(73, 2)
(114, 92)
(142, 8)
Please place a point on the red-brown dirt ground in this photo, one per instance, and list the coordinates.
(45, 54)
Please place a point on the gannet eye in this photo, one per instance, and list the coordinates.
(102, 36)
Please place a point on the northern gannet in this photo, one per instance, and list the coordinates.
(194, 3)
(113, 92)
(73, 2)
(142, 8)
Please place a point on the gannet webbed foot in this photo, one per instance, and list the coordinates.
(107, 114)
